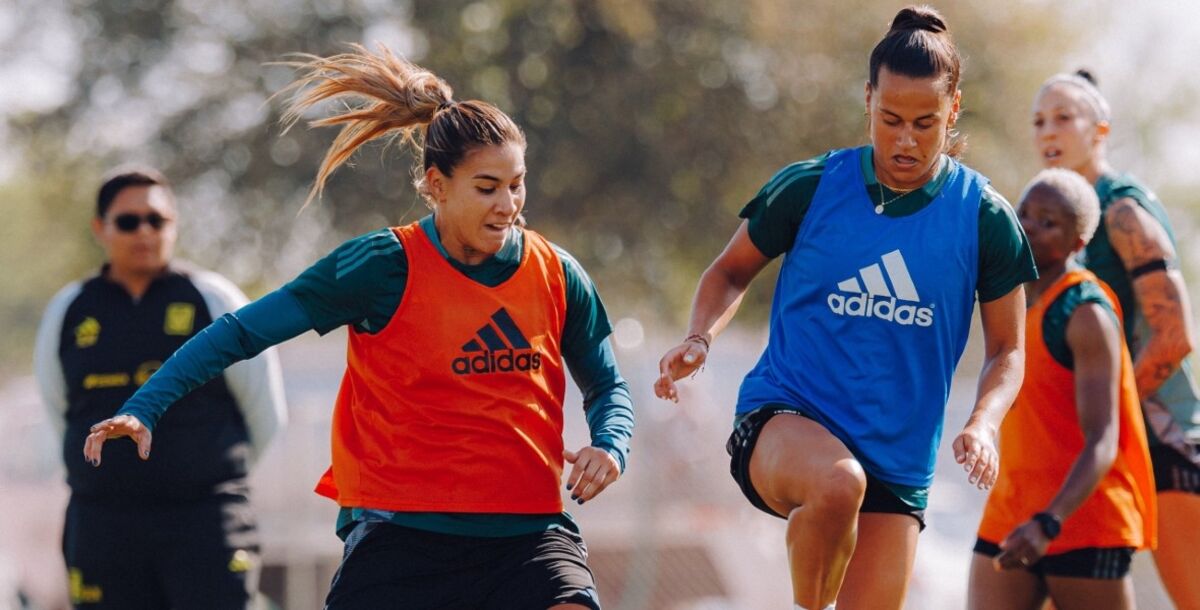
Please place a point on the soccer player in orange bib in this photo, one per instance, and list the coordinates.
(447, 431)
(1075, 496)
(1134, 252)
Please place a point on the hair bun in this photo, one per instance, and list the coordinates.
(919, 18)
(1086, 75)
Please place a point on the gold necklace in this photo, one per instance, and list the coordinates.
(883, 203)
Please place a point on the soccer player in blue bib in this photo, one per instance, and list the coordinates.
(886, 248)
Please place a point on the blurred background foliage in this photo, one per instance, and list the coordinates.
(650, 123)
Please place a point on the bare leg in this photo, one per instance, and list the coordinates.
(801, 470)
(1178, 539)
(1091, 593)
(992, 589)
(877, 577)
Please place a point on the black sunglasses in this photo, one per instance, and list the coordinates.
(129, 223)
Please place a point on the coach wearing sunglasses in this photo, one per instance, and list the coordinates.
(175, 531)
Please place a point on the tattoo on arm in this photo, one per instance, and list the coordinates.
(1143, 246)
(1136, 235)
(1163, 300)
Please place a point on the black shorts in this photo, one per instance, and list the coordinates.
(392, 566)
(1099, 563)
(1173, 471)
(878, 498)
(201, 555)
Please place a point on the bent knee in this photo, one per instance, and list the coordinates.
(840, 489)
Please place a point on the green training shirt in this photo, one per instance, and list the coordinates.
(1058, 315)
(776, 212)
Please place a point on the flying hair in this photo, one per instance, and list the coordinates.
(389, 97)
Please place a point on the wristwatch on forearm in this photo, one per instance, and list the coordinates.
(1050, 523)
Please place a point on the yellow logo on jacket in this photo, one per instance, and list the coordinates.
(99, 381)
(145, 370)
(179, 319)
(82, 593)
(87, 333)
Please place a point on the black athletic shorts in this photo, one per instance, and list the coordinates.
(1173, 471)
(1099, 563)
(878, 498)
(201, 555)
(391, 566)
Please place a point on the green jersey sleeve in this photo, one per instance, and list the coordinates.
(1005, 260)
(359, 283)
(587, 321)
(776, 212)
(1058, 315)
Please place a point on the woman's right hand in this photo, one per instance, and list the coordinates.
(680, 361)
(116, 427)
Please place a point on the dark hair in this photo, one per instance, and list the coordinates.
(122, 178)
(398, 99)
(918, 45)
(1087, 75)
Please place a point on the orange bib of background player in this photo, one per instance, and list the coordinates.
(1041, 438)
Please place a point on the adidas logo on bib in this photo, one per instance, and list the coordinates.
(488, 352)
(899, 304)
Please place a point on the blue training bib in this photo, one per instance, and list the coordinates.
(870, 317)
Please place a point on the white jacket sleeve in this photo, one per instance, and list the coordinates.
(257, 383)
(47, 367)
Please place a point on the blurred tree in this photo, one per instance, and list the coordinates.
(44, 239)
(650, 122)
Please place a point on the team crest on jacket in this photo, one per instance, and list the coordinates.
(180, 319)
(87, 333)
(900, 303)
(498, 346)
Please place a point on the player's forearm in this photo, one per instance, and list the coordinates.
(1099, 453)
(999, 382)
(1163, 300)
(1003, 323)
(718, 297)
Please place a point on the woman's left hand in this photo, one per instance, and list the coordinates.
(1023, 547)
(592, 471)
(975, 449)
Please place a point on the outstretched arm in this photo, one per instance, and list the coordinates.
(233, 337)
(1095, 342)
(1003, 370)
(717, 299)
(256, 383)
(1145, 249)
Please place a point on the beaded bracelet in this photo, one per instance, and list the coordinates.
(699, 338)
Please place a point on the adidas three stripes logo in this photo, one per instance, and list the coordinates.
(498, 346)
(881, 293)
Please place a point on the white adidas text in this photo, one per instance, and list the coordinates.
(867, 306)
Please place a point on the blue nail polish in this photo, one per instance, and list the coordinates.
(580, 501)
(575, 497)
(569, 487)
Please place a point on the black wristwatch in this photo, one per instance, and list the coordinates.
(1051, 525)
